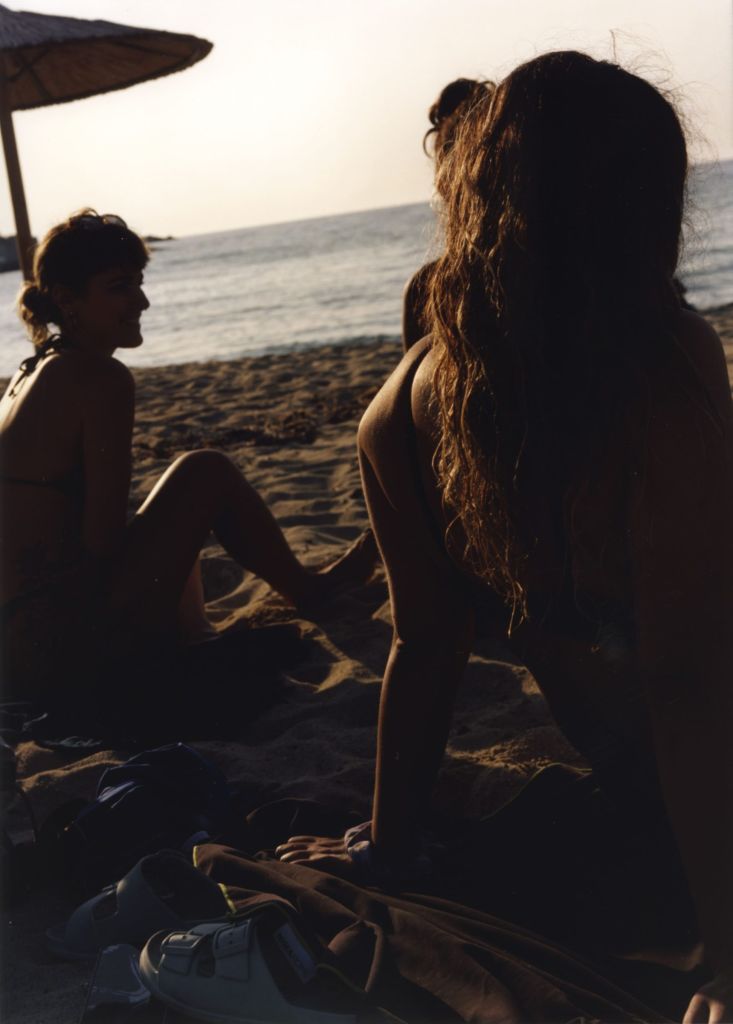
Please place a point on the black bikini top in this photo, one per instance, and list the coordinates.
(70, 484)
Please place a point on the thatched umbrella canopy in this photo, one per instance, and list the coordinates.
(46, 59)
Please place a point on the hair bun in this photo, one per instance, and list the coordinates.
(38, 304)
(37, 310)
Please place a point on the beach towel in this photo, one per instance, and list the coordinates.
(531, 918)
(425, 959)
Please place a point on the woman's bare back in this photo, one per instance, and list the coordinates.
(583, 652)
(42, 466)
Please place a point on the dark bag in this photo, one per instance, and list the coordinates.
(167, 798)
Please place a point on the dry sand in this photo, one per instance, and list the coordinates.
(289, 422)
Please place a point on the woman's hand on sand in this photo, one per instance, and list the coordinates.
(320, 853)
(713, 1003)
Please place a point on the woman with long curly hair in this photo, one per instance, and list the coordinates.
(563, 441)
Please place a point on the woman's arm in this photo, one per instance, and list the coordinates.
(432, 615)
(107, 421)
(682, 547)
(433, 631)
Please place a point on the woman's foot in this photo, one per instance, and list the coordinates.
(354, 567)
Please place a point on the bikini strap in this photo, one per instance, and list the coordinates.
(54, 343)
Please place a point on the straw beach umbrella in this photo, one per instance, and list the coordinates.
(46, 59)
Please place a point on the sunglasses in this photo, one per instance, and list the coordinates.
(94, 221)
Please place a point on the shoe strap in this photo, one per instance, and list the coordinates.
(232, 940)
(178, 950)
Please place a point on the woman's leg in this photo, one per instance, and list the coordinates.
(204, 491)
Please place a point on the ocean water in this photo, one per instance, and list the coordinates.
(332, 280)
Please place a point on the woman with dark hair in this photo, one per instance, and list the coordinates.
(563, 440)
(445, 115)
(81, 584)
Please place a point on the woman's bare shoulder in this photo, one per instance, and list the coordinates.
(89, 377)
(390, 410)
(422, 395)
(102, 369)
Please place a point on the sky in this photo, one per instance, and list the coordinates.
(313, 107)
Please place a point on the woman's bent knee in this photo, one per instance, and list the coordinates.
(208, 473)
(206, 465)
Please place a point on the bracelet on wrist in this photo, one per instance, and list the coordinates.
(376, 869)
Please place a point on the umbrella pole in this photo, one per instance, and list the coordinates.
(23, 239)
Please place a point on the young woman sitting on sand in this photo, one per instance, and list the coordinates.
(81, 583)
(563, 440)
(445, 115)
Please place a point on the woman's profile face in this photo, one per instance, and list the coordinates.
(108, 312)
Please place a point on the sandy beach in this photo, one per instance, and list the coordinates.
(289, 422)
